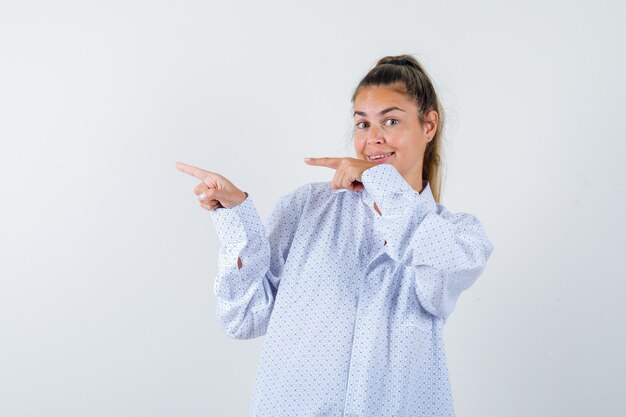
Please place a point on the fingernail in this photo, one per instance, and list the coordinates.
(202, 196)
(307, 159)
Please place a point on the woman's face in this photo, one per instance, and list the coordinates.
(386, 122)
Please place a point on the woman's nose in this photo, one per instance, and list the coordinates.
(374, 135)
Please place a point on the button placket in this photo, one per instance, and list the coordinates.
(356, 354)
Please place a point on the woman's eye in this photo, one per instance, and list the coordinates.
(391, 120)
(360, 125)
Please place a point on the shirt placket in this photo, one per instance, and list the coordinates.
(355, 366)
(353, 403)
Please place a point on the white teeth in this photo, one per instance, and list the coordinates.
(380, 156)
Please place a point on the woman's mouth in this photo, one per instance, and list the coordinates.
(380, 158)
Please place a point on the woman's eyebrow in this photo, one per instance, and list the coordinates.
(360, 113)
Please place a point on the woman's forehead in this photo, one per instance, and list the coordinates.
(376, 99)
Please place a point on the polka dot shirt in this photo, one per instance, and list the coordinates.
(352, 302)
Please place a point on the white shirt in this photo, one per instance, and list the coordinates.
(353, 325)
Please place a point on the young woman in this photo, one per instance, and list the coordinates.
(354, 278)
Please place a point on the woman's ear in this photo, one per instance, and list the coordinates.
(432, 121)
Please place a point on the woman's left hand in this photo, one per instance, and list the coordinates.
(348, 171)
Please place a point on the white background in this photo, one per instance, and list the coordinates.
(108, 262)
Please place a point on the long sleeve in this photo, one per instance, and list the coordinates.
(245, 296)
(448, 251)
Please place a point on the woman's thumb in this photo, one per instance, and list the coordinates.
(211, 194)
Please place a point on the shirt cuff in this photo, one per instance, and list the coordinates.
(392, 193)
(238, 223)
(384, 178)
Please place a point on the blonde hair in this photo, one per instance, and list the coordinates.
(419, 88)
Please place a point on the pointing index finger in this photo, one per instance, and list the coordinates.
(199, 173)
(325, 162)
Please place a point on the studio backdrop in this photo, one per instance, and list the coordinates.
(107, 261)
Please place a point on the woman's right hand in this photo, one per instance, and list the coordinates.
(214, 191)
